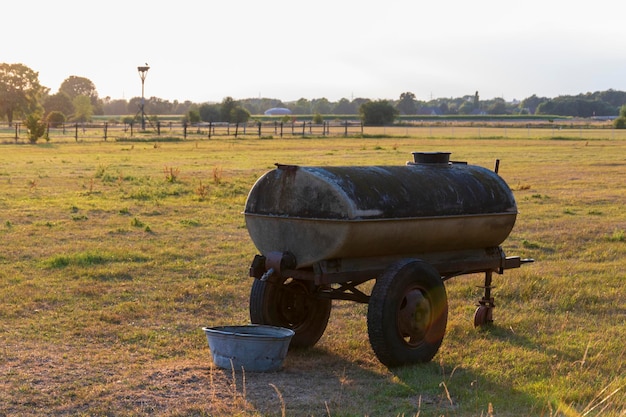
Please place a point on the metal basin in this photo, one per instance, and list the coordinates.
(253, 348)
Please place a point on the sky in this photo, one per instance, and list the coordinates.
(204, 51)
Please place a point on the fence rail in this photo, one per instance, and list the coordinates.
(122, 131)
(105, 131)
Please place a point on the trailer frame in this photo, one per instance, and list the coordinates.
(311, 289)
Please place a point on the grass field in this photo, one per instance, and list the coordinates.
(116, 254)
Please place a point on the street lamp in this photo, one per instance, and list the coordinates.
(143, 71)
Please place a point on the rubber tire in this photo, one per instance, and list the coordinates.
(388, 333)
(293, 305)
(483, 316)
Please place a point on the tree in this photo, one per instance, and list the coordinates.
(239, 115)
(59, 102)
(378, 113)
(614, 98)
(260, 105)
(83, 110)
(620, 122)
(115, 107)
(181, 108)
(20, 91)
(358, 102)
(193, 116)
(209, 112)
(498, 106)
(134, 106)
(407, 103)
(321, 106)
(303, 106)
(577, 106)
(155, 105)
(531, 103)
(228, 104)
(466, 108)
(344, 106)
(75, 86)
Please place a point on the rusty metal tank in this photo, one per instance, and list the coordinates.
(427, 205)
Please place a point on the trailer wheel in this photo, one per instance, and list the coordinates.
(292, 304)
(407, 313)
(483, 316)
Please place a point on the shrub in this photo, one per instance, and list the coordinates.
(193, 116)
(56, 118)
(620, 123)
(318, 119)
(36, 127)
(377, 113)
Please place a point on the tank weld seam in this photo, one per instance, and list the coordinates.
(393, 219)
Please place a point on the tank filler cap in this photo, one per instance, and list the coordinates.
(286, 167)
(430, 158)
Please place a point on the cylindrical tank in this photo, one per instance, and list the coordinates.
(430, 205)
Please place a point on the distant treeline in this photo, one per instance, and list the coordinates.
(24, 100)
(602, 103)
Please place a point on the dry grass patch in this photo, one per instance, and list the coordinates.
(111, 266)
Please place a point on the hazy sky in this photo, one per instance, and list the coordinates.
(207, 50)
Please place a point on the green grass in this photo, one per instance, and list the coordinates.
(115, 257)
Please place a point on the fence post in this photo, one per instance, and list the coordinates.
(346, 129)
(47, 132)
(236, 129)
(210, 127)
(259, 124)
(276, 127)
(361, 128)
(17, 127)
(76, 132)
(281, 129)
(158, 128)
(303, 127)
(106, 126)
(185, 130)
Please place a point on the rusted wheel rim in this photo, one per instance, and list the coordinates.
(294, 302)
(414, 316)
(482, 316)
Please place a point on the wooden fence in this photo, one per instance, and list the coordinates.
(166, 131)
(17, 133)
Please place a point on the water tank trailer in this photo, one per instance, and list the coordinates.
(323, 231)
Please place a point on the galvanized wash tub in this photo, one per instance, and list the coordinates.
(255, 348)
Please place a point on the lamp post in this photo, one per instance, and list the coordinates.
(143, 71)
